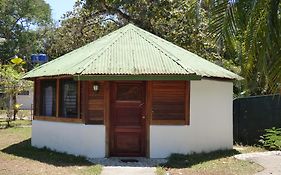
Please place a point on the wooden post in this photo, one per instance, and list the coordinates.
(84, 101)
(57, 97)
(187, 103)
(78, 99)
(107, 115)
(148, 94)
(149, 101)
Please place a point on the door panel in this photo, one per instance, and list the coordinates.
(127, 116)
(127, 121)
(127, 142)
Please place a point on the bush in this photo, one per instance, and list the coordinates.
(271, 139)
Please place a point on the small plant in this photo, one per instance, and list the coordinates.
(9, 117)
(16, 108)
(271, 139)
(12, 83)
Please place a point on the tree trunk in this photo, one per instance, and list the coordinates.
(8, 123)
(14, 102)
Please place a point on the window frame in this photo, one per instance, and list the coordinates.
(62, 102)
(41, 99)
(57, 118)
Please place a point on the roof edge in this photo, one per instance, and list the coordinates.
(136, 77)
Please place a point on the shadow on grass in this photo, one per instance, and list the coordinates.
(44, 155)
(186, 161)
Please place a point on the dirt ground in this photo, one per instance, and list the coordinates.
(13, 163)
(19, 166)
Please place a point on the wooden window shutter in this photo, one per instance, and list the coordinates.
(170, 102)
(96, 104)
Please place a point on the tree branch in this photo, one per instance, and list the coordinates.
(142, 23)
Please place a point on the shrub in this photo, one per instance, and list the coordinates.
(271, 139)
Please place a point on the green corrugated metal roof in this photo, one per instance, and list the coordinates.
(130, 50)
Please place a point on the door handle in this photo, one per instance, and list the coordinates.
(143, 117)
(140, 105)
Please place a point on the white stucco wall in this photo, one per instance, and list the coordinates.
(25, 100)
(210, 122)
(72, 138)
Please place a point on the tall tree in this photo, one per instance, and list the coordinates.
(19, 20)
(250, 31)
(181, 22)
(77, 29)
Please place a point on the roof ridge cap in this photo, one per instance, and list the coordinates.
(184, 50)
(161, 50)
(100, 52)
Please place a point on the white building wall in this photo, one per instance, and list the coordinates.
(25, 100)
(210, 122)
(72, 138)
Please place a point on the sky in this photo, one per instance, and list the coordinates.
(59, 7)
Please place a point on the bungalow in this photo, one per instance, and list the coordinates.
(131, 93)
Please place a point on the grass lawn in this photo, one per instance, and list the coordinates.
(17, 123)
(17, 157)
(20, 115)
(214, 163)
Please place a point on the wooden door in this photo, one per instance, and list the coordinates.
(127, 119)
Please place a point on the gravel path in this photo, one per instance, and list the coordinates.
(117, 161)
(128, 165)
(271, 161)
(128, 171)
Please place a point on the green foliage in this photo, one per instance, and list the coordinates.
(243, 36)
(271, 139)
(181, 22)
(12, 83)
(11, 80)
(75, 31)
(18, 24)
(249, 32)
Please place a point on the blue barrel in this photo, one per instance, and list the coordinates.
(39, 58)
(42, 58)
(33, 58)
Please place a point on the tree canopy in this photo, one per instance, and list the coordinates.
(243, 36)
(184, 23)
(250, 32)
(19, 21)
(12, 84)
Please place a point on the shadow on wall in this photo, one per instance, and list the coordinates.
(186, 161)
(25, 150)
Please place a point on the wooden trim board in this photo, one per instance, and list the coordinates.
(58, 119)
